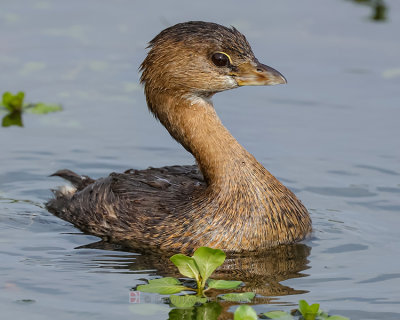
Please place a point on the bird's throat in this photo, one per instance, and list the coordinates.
(193, 122)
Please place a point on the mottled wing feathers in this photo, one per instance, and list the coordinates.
(134, 200)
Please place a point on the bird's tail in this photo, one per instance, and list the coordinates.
(62, 196)
(78, 181)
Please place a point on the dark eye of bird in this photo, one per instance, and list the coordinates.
(220, 59)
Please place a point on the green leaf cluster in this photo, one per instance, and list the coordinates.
(166, 285)
(305, 312)
(198, 267)
(13, 102)
(309, 312)
(14, 105)
(245, 313)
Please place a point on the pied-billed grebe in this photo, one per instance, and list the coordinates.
(232, 202)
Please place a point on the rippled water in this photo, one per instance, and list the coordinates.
(331, 135)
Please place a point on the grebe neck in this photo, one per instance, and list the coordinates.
(193, 122)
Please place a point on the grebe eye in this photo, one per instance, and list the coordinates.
(220, 59)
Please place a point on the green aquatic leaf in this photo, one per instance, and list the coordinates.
(13, 102)
(281, 315)
(165, 285)
(238, 297)
(207, 260)
(303, 307)
(43, 108)
(186, 265)
(186, 301)
(245, 313)
(223, 284)
(313, 308)
(309, 312)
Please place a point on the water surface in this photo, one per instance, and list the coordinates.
(331, 135)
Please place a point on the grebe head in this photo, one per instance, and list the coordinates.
(201, 58)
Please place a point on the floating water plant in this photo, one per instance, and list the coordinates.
(13, 102)
(304, 312)
(309, 312)
(245, 313)
(14, 105)
(198, 267)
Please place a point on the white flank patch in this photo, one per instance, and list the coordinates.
(67, 190)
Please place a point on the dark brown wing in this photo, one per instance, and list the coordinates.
(127, 205)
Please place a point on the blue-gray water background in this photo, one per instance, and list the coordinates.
(332, 135)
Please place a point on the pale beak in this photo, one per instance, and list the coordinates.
(257, 74)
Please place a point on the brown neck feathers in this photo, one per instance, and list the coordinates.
(193, 122)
